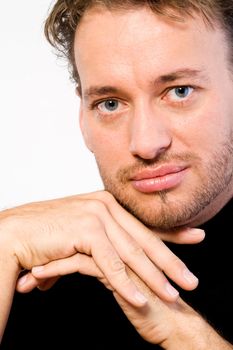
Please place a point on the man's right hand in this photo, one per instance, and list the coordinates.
(92, 234)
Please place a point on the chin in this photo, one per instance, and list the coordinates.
(165, 211)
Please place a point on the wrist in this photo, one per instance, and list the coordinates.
(194, 332)
(8, 258)
(186, 333)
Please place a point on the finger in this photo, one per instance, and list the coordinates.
(113, 268)
(27, 283)
(77, 263)
(135, 258)
(123, 249)
(66, 266)
(130, 252)
(155, 321)
(92, 241)
(185, 236)
(86, 265)
(154, 248)
(168, 262)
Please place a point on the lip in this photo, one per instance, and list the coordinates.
(161, 178)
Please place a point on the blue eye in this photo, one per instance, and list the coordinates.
(109, 106)
(182, 91)
(180, 96)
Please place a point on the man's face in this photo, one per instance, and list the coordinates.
(157, 112)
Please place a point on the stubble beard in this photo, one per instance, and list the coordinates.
(166, 213)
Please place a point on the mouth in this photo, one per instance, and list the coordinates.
(162, 178)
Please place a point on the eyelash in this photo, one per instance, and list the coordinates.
(183, 102)
(94, 105)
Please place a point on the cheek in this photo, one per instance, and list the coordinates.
(109, 152)
(205, 130)
(109, 145)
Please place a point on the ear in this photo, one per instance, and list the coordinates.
(83, 125)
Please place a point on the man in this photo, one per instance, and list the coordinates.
(155, 82)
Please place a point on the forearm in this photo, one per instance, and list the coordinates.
(9, 271)
(197, 334)
(8, 276)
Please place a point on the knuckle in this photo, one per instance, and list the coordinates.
(93, 226)
(117, 267)
(94, 206)
(135, 250)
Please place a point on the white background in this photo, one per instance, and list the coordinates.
(42, 154)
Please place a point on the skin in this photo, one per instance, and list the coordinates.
(95, 235)
(152, 125)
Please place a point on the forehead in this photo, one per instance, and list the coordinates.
(129, 41)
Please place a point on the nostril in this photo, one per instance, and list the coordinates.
(150, 149)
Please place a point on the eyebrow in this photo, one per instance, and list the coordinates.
(180, 74)
(95, 91)
(99, 91)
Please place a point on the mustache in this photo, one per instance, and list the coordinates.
(124, 174)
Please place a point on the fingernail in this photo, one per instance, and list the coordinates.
(171, 290)
(197, 231)
(22, 280)
(189, 276)
(37, 269)
(140, 298)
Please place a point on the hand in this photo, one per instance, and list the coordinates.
(94, 235)
(173, 326)
(28, 282)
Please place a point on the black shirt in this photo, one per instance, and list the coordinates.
(80, 313)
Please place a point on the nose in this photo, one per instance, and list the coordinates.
(149, 134)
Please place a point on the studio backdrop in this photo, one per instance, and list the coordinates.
(42, 153)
